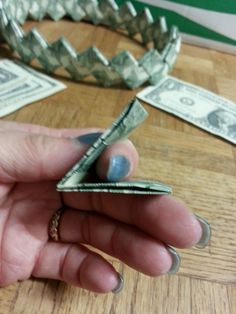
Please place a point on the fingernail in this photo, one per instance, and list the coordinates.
(120, 285)
(176, 260)
(206, 233)
(88, 139)
(119, 167)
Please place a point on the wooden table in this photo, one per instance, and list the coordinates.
(200, 167)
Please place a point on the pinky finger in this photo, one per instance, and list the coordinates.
(77, 265)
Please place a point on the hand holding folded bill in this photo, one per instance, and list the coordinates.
(75, 180)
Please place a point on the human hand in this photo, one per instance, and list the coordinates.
(135, 229)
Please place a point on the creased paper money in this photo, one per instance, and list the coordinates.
(75, 180)
(196, 105)
(123, 68)
(21, 85)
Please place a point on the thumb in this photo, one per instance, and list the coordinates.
(29, 157)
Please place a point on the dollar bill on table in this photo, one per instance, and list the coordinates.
(76, 180)
(194, 104)
(21, 85)
(8, 78)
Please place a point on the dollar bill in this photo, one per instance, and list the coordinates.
(9, 78)
(75, 180)
(127, 187)
(21, 85)
(196, 105)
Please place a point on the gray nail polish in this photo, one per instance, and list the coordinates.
(206, 233)
(119, 168)
(88, 139)
(176, 260)
(120, 285)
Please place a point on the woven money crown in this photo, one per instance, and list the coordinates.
(122, 68)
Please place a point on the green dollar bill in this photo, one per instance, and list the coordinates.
(127, 187)
(194, 104)
(75, 180)
(21, 85)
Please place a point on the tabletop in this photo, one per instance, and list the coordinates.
(200, 167)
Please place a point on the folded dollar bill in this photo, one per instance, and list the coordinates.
(21, 85)
(76, 179)
(127, 187)
(194, 104)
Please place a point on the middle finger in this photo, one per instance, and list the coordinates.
(162, 217)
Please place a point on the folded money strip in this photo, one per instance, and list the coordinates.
(122, 68)
(132, 116)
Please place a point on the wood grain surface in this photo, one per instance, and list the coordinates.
(200, 167)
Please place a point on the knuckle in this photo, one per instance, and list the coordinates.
(32, 145)
(35, 146)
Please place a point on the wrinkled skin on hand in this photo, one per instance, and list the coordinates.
(32, 160)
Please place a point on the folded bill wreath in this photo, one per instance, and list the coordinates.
(121, 69)
(76, 179)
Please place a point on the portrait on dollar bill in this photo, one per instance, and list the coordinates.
(223, 120)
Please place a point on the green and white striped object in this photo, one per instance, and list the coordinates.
(209, 23)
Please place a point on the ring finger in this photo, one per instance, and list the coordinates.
(127, 243)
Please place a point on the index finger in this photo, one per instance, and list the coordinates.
(47, 154)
